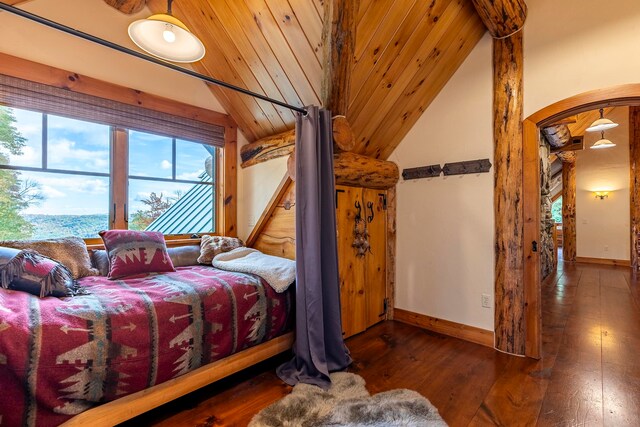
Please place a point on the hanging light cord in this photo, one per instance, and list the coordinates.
(52, 24)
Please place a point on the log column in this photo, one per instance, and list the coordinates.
(509, 219)
(634, 159)
(569, 210)
(504, 19)
(339, 39)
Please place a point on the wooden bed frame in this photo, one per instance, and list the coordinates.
(127, 407)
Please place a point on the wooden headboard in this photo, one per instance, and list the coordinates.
(275, 231)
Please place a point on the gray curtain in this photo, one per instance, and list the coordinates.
(319, 347)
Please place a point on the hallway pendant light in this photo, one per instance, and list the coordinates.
(166, 37)
(601, 124)
(603, 142)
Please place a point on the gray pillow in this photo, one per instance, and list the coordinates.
(100, 261)
(182, 256)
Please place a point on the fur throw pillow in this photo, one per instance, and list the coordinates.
(68, 251)
(210, 246)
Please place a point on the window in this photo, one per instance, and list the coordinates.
(61, 176)
(170, 185)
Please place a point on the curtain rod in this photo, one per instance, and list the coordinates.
(52, 24)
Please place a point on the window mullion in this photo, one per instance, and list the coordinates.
(119, 172)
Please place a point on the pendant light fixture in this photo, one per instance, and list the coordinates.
(601, 124)
(603, 142)
(166, 37)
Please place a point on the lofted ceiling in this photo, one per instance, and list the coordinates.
(405, 53)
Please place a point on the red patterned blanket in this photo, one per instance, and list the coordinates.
(59, 357)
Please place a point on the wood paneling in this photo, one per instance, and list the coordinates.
(569, 211)
(634, 163)
(265, 46)
(413, 65)
(508, 190)
(403, 57)
(278, 234)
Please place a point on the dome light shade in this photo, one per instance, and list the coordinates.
(601, 124)
(602, 143)
(166, 37)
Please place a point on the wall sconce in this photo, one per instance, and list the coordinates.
(602, 195)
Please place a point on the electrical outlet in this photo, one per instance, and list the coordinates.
(486, 300)
(606, 248)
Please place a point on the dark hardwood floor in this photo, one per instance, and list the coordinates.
(589, 374)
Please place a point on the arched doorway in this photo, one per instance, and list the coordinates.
(623, 95)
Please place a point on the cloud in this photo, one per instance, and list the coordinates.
(166, 164)
(64, 154)
(189, 176)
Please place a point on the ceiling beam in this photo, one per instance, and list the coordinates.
(127, 6)
(557, 136)
(502, 17)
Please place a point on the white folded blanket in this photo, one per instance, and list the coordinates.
(278, 272)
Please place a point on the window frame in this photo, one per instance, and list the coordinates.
(225, 184)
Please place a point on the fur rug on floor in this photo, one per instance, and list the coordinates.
(348, 403)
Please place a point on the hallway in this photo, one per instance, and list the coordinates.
(591, 320)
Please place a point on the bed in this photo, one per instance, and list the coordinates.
(143, 341)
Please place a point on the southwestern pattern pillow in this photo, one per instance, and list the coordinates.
(29, 271)
(210, 246)
(135, 252)
(69, 251)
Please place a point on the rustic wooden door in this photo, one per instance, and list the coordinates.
(350, 266)
(376, 258)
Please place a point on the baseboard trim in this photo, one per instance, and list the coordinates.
(445, 327)
(618, 262)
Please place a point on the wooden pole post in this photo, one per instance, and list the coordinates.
(339, 40)
(569, 211)
(634, 159)
(509, 220)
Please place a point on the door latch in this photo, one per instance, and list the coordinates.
(534, 246)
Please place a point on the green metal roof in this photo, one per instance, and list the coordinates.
(192, 213)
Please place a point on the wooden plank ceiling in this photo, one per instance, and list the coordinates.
(405, 53)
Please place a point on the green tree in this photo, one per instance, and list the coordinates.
(15, 195)
(556, 210)
(141, 218)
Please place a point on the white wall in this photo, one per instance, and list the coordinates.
(22, 38)
(445, 226)
(256, 185)
(573, 46)
(602, 226)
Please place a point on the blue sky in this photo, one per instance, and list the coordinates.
(83, 146)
